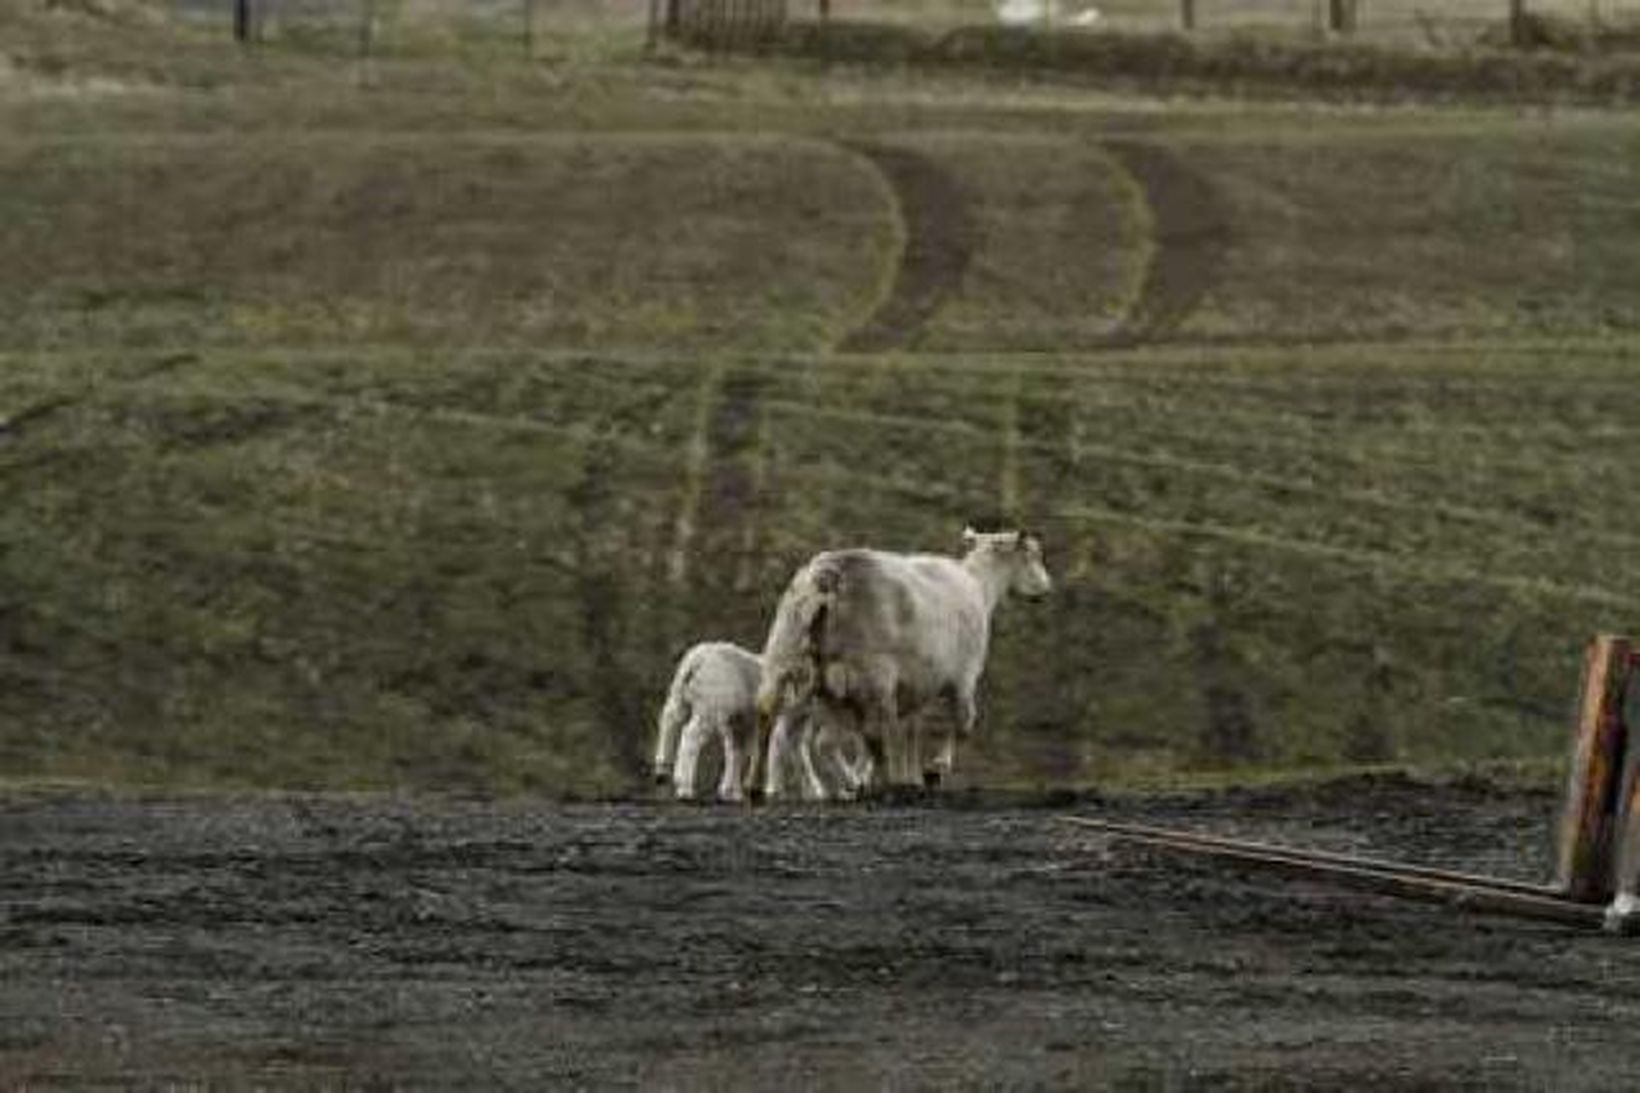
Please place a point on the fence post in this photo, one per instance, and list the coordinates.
(367, 28)
(242, 21)
(1187, 14)
(1588, 827)
(1517, 23)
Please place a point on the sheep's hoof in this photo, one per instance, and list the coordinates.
(932, 779)
(755, 796)
(663, 778)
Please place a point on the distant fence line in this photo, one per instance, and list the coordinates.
(717, 20)
(726, 23)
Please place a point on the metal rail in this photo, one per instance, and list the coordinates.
(1462, 890)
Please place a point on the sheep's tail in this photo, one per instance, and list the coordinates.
(791, 655)
(674, 714)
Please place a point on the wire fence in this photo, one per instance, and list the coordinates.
(1426, 22)
(367, 25)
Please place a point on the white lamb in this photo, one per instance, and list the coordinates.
(714, 693)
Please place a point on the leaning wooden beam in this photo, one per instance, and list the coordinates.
(1589, 824)
(1472, 893)
(1319, 857)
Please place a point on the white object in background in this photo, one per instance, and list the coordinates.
(1021, 13)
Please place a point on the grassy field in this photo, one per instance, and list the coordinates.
(399, 427)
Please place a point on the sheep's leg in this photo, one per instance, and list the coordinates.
(683, 773)
(853, 773)
(899, 751)
(814, 737)
(864, 768)
(779, 757)
(939, 769)
(963, 715)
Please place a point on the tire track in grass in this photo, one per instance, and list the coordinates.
(1081, 449)
(1192, 239)
(1008, 475)
(732, 491)
(940, 239)
(715, 536)
(739, 424)
(695, 458)
(1164, 460)
(15, 423)
(1365, 560)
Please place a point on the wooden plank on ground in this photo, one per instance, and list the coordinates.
(1463, 891)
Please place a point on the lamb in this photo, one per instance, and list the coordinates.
(714, 693)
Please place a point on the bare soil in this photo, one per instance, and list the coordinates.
(967, 941)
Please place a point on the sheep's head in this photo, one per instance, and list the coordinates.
(1018, 554)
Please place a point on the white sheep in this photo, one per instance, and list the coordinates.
(865, 640)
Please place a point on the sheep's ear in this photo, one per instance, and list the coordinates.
(969, 537)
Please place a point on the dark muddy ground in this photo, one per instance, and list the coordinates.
(278, 941)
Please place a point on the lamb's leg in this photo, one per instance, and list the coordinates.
(673, 716)
(683, 773)
(734, 761)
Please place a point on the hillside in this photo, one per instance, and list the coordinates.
(401, 431)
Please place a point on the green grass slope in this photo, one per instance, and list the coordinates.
(402, 431)
(474, 569)
(339, 238)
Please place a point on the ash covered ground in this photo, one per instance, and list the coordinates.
(971, 940)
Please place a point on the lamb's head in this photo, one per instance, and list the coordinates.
(1016, 555)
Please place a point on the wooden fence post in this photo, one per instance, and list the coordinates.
(367, 28)
(1187, 14)
(1517, 23)
(1589, 827)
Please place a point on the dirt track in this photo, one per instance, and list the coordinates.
(1192, 238)
(940, 238)
(974, 942)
